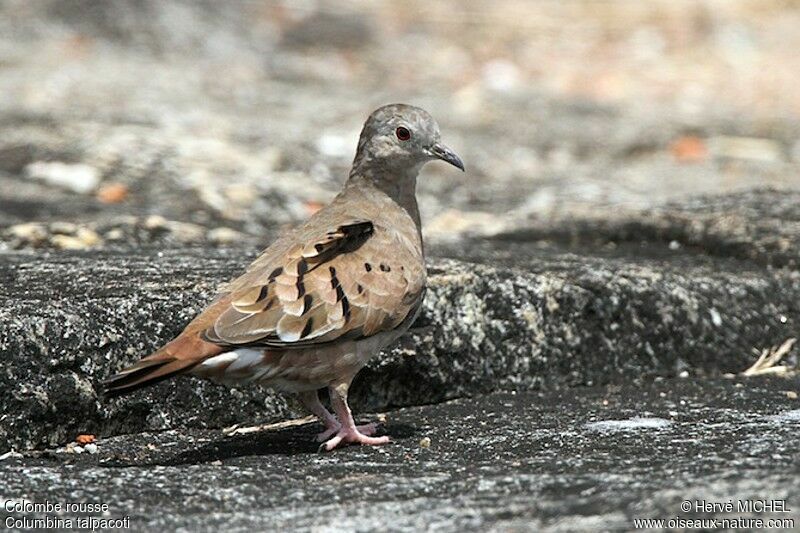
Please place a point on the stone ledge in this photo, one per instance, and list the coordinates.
(580, 459)
(553, 319)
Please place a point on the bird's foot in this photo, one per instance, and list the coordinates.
(330, 431)
(357, 435)
(365, 429)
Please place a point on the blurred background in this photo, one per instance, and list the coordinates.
(144, 122)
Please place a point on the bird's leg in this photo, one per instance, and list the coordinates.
(349, 432)
(311, 400)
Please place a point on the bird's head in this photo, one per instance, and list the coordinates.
(399, 139)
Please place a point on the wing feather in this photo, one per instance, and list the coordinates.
(354, 280)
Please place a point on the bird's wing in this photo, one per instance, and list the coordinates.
(349, 281)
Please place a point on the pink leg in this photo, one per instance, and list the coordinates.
(349, 433)
(311, 401)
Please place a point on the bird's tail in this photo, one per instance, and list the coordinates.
(178, 356)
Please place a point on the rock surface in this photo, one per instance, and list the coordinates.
(246, 115)
(519, 315)
(760, 225)
(586, 458)
(149, 148)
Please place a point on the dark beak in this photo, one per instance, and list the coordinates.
(444, 153)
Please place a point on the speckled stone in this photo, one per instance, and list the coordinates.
(526, 461)
(524, 319)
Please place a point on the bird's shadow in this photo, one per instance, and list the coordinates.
(288, 442)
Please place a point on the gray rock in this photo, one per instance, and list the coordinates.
(517, 317)
(77, 178)
(760, 225)
(505, 461)
(239, 118)
(329, 30)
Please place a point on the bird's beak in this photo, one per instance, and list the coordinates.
(444, 153)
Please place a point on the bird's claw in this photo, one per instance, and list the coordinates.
(359, 435)
(365, 429)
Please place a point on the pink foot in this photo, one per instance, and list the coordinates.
(354, 436)
(366, 429)
(328, 433)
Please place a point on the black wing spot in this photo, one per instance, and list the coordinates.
(345, 239)
(367, 267)
(385, 268)
(359, 228)
(262, 293)
(307, 301)
(302, 267)
(275, 273)
(359, 288)
(345, 308)
(307, 328)
(355, 235)
(334, 279)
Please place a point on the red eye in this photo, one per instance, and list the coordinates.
(402, 133)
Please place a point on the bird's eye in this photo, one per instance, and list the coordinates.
(402, 133)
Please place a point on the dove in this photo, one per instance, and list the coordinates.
(326, 296)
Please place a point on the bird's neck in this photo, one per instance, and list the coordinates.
(401, 189)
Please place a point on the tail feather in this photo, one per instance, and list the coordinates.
(178, 356)
(132, 380)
